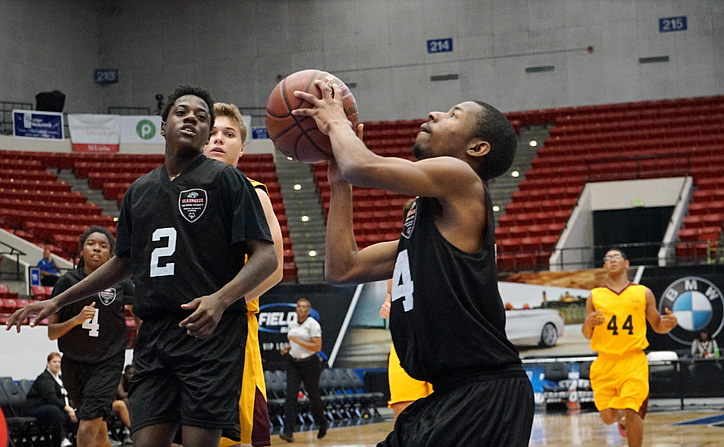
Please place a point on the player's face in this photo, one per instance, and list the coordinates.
(96, 250)
(302, 310)
(225, 143)
(614, 263)
(54, 364)
(447, 133)
(187, 125)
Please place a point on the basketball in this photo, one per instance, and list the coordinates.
(297, 136)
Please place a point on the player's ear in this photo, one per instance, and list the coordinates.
(163, 129)
(478, 148)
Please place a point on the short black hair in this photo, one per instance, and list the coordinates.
(183, 90)
(494, 127)
(84, 237)
(623, 254)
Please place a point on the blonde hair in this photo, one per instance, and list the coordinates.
(232, 112)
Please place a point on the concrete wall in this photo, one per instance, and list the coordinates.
(240, 49)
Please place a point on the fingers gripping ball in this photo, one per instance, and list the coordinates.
(297, 136)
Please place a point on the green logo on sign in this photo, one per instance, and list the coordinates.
(146, 129)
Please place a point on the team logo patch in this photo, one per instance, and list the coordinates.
(192, 204)
(410, 220)
(107, 296)
(698, 305)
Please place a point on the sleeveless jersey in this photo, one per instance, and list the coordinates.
(624, 329)
(185, 237)
(253, 306)
(447, 318)
(103, 336)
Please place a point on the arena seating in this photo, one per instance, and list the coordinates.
(648, 139)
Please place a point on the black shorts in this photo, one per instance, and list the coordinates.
(491, 413)
(194, 381)
(92, 387)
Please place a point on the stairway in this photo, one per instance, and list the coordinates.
(501, 188)
(109, 207)
(301, 200)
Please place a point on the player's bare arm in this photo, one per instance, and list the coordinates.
(661, 324)
(593, 318)
(277, 237)
(57, 329)
(105, 276)
(314, 345)
(208, 309)
(344, 262)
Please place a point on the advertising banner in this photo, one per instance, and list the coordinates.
(141, 129)
(277, 310)
(94, 133)
(33, 124)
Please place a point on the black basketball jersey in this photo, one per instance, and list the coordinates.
(185, 236)
(447, 317)
(103, 336)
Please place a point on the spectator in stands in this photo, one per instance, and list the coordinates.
(48, 401)
(124, 385)
(704, 347)
(305, 341)
(49, 273)
(227, 144)
(91, 333)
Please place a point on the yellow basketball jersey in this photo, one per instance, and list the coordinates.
(624, 329)
(253, 306)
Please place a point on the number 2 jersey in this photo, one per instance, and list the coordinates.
(447, 318)
(103, 336)
(185, 238)
(624, 329)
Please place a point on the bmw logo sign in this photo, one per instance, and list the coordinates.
(698, 305)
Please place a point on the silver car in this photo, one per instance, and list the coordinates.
(529, 327)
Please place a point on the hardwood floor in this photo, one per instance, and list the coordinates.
(584, 429)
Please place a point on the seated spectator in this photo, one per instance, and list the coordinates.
(49, 273)
(47, 401)
(121, 406)
(704, 347)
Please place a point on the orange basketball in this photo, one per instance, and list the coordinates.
(297, 136)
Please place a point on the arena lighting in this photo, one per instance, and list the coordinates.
(290, 159)
(515, 174)
(297, 187)
(496, 208)
(115, 219)
(312, 253)
(533, 143)
(305, 218)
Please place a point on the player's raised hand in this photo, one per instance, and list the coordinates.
(326, 110)
(669, 320)
(595, 319)
(385, 310)
(37, 312)
(203, 321)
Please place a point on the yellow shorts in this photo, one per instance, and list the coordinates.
(620, 381)
(404, 388)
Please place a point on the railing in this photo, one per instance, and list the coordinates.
(122, 110)
(12, 252)
(6, 114)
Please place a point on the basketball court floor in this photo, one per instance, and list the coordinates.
(661, 429)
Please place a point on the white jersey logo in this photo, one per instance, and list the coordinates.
(107, 296)
(192, 204)
(410, 220)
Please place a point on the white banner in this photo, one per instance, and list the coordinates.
(94, 133)
(143, 129)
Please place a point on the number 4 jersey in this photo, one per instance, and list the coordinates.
(103, 336)
(625, 327)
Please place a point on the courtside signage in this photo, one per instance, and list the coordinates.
(141, 129)
(34, 124)
(698, 305)
(94, 133)
(275, 317)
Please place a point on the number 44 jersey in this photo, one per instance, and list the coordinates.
(624, 329)
(185, 237)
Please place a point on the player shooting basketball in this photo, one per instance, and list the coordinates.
(447, 319)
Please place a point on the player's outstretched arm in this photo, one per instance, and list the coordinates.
(661, 324)
(208, 309)
(344, 262)
(112, 272)
(277, 237)
(593, 318)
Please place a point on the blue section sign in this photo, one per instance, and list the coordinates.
(669, 24)
(439, 45)
(34, 276)
(34, 124)
(259, 133)
(105, 76)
